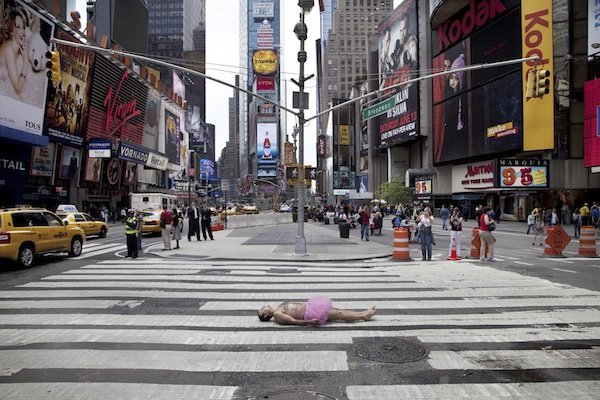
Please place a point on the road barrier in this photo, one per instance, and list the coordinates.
(401, 250)
(556, 241)
(587, 241)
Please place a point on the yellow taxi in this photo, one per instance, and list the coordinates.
(89, 225)
(151, 222)
(28, 232)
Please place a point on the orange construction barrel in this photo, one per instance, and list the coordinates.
(587, 241)
(401, 250)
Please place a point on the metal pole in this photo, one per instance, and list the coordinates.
(300, 249)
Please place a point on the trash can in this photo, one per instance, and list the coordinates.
(344, 230)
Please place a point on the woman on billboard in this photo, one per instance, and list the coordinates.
(14, 61)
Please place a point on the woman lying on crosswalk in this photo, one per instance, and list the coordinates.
(316, 311)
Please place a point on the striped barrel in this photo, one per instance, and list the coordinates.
(587, 241)
(401, 251)
(475, 243)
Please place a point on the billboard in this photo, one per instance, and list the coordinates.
(172, 136)
(523, 173)
(538, 112)
(267, 149)
(593, 28)
(591, 113)
(70, 161)
(264, 62)
(117, 104)
(42, 160)
(23, 82)
(479, 112)
(67, 108)
(399, 62)
(93, 169)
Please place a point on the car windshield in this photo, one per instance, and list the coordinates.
(150, 214)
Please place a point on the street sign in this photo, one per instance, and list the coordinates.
(558, 239)
(379, 108)
(292, 172)
(225, 185)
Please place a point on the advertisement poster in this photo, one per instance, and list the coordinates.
(24, 41)
(398, 62)
(93, 168)
(42, 160)
(117, 104)
(70, 162)
(523, 173)
(151, 124)
(67, 108)
(266, 143)
(172, 136)
(591, 112)
(423, 187)
(479, 112)
(128, 173)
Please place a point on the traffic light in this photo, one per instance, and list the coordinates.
(531, 83)
(53, 65)
(542, 83)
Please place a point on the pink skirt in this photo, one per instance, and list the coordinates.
(318, 308)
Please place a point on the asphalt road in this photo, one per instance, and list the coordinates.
(155, 328)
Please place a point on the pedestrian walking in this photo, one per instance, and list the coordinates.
(140, 220)
(365, 220)
(486, 226)
(553, 217)
(123, 215)
(530, 222)
(166, 224)
(193, 213)
(205, 214)
(456, 221)
(177, 227)
(426, 235)
(576, 218)
(584, 211)
(444, 215)
(131, 230)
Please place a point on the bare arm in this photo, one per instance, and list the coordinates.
(285, 319)
(17, 78)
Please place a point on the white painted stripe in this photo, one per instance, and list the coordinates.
(515, 359)
(221, 278)
(478, 391)
(97, 246)
(561, 261)
(38, 304)
(195, 361)
(110, 390)
(565, 270)
(510, 258)
(313, 287)
(301, 296)
(201, 266)
(278, 336)
(523, 263)
(528, 318)
(587, 301)
(103, 251)
(240, 274)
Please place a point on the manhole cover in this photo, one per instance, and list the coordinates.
(282, 271)
(390, 350)
(294, 395)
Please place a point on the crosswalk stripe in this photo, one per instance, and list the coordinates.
(260, 274)
(196, 361)
(276, 336)
(40, 304)
(512, 318)
(477, 391)
(515, 359)
(113, 390)
(90, 254)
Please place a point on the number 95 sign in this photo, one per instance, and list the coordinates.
(523, 173)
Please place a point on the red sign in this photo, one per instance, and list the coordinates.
(591, 140)
(321, 146)
(265, 84)
(118, 111)
(557, 239)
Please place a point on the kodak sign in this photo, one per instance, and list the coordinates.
(538, 112)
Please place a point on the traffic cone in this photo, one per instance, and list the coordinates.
(453, 255)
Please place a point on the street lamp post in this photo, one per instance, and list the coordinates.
(301, 33)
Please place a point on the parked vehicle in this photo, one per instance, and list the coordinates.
(89, 225)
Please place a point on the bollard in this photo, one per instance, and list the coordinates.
(587, 241)
(475, 244)
(401, 250)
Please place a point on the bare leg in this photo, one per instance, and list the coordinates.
(338, 314)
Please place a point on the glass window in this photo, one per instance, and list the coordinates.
(78, 218)
(20, 220)
(88, 218)
(51, 219)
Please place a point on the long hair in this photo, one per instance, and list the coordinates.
(9, 20)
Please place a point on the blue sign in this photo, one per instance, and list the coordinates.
(99, 144)
(133, 153)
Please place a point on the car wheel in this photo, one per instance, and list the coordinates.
(26, 256)
(102, 232)
(76, 247)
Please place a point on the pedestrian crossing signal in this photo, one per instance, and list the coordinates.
(310, 173)
(53, 65)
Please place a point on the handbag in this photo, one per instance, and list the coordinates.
(492, 226)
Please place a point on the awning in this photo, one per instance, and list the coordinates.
(23, 137)
(468, 196)
(413, 173)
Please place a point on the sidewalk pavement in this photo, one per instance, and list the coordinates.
(277, 243)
